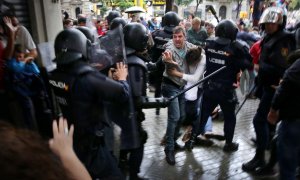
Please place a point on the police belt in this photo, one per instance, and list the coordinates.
(170, 82)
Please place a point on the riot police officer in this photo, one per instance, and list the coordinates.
(275, 47)
(81, 91)
(169, 21)
(161, 36)
(116, 22)
(222, 51)
(111, 16)
(136, 38)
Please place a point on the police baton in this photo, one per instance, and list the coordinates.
(247, 96)
(197, 83)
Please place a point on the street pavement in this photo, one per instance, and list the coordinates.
(207, 163)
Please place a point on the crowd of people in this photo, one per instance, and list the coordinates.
(94, 88)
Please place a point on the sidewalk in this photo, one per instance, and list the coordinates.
(206, 163)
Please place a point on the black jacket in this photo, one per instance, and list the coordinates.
(81, 93)
(273, 62)
(287, 97)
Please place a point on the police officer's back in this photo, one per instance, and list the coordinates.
(81, 91)
(222, 51)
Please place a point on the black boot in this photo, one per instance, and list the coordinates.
(257, 161)
(266, 171)
(231, 147)
(189, 145)
(170, 157)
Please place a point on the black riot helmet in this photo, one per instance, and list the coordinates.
(136, 36)
(226, 31)
(92, 45)
(70, 45)
(170, 20)
(87, 32)
(116, 22)
(112, 15)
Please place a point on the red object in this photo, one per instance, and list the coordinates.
(100, 31)
(255, 52)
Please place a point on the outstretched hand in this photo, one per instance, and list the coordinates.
(62, 142)
(167, 56)
(62, 146)
(121, 72)
(9, 25)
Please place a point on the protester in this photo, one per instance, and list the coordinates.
(171, 85)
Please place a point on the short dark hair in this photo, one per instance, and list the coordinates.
(81, 20)
(18, 48)
(193, 55)
(179, 29)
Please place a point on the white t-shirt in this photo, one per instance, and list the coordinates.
(24, 39)
(196, 73)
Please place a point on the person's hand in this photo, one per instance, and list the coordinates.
(167, 56)
(28, 59)
(273, 116)
(174, 72)
(121, 72)
(276, 86)
(111, 74)
(62, 142)
(11, 29)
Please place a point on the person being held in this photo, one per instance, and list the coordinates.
(195, 60)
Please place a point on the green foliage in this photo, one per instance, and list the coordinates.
(123, 4)
(103, 10)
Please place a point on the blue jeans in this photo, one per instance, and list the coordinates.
(260, 119)
(193, 110)
(176, 113)
(209, 125)
(288, 148)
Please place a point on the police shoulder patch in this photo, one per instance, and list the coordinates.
(284, 52)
